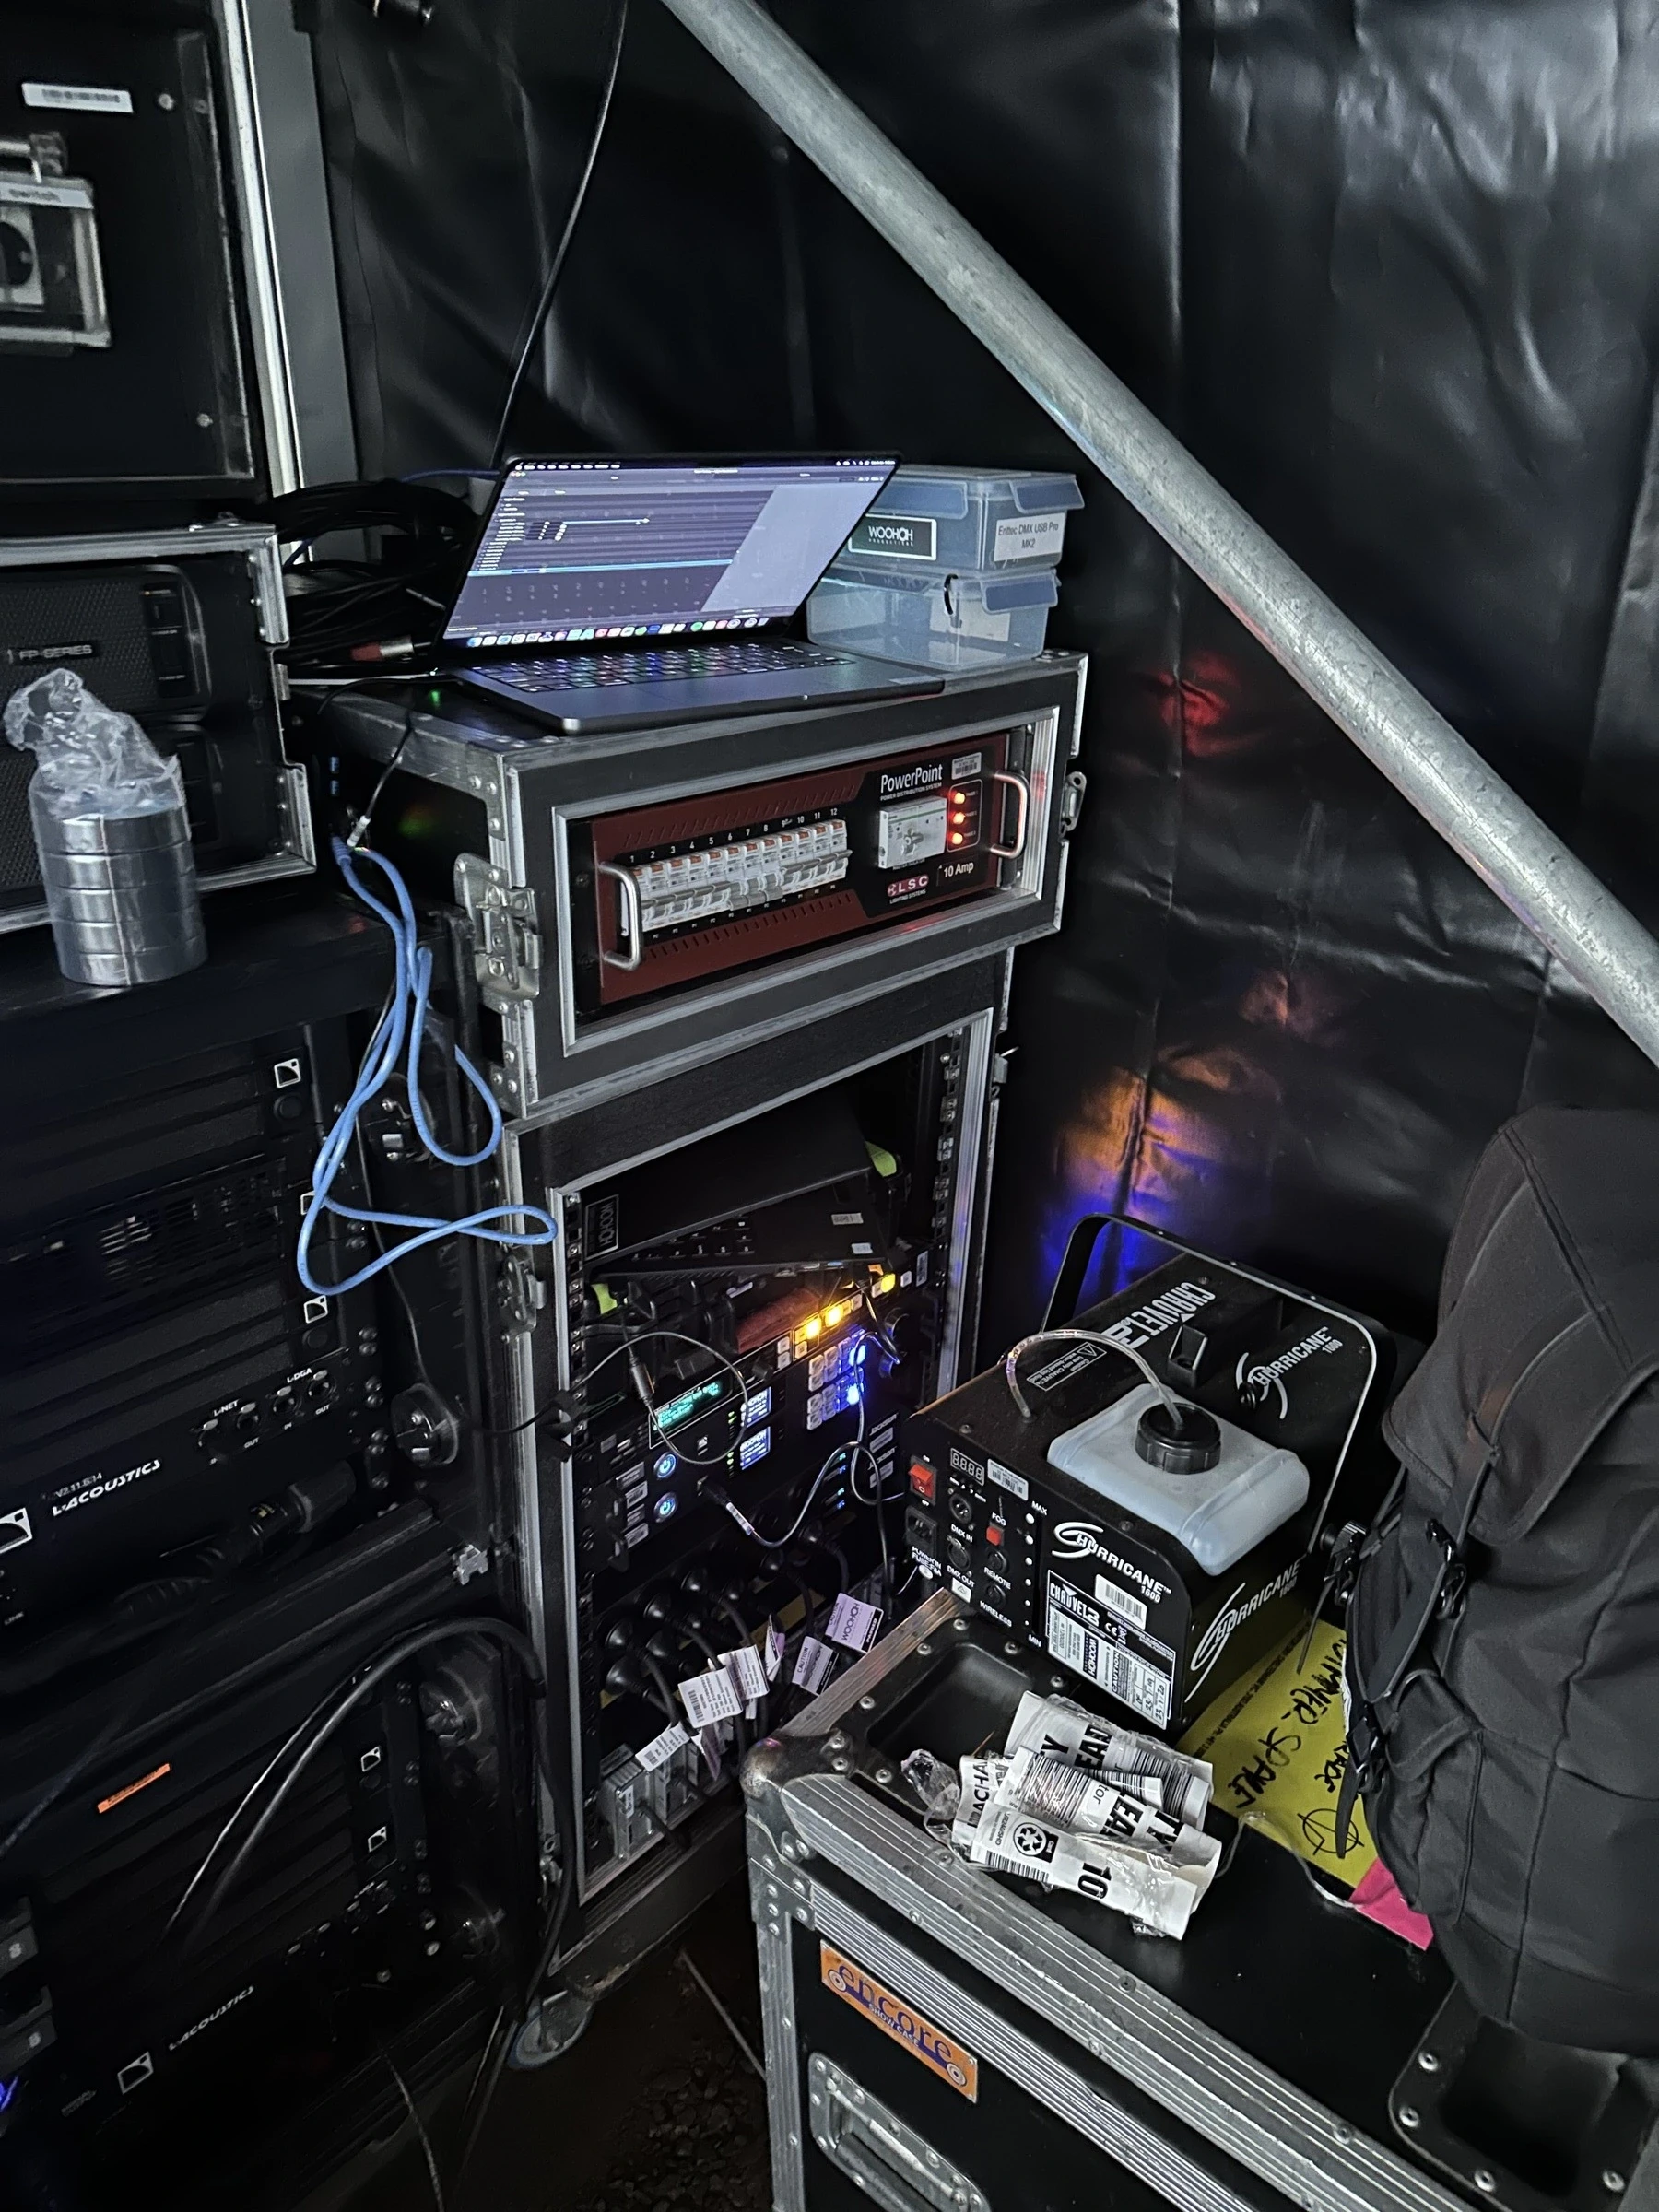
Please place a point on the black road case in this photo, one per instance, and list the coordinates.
(938, 2040)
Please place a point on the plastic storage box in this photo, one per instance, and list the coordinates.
(950, 569)
(968, 619)
(941, 519)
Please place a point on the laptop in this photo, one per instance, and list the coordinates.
(610, 593)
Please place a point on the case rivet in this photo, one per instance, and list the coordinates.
(1613, 2181)
(842, 1765)
(1011, 1648)
(1484, 2179)
(1409, 2115)
(1429, 2061)
(924, 1650)
(838, 1742)
(1343, 2133)
(961, 1628)
(867, 1704)
(884, 1773)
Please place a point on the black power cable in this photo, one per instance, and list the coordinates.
(545, 302)
(175, 1604)
(342, 611)
(326, 1716)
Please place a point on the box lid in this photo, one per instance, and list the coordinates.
(946, 492)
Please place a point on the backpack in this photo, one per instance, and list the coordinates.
(1502, 1669)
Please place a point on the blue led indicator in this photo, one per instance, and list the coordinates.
(666, 1464)
(667, 1505)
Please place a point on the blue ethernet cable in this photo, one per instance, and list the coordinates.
(402, 1021)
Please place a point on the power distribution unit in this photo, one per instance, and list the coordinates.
(941, 2037)
(648, 898)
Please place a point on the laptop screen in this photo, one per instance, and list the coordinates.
(579, 549)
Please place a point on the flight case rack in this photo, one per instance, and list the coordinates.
(937, 2037)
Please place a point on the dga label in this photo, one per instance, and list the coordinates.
(939, 2053)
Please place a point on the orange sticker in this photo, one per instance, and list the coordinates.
(937, 2050)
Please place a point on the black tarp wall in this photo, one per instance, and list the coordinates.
(1386, 265)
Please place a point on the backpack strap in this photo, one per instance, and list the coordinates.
(1440, 1588)
(1432, 1593)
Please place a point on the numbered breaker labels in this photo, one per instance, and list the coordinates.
(691, 887)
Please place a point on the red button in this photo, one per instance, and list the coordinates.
(993, 1535)
(923, 1479)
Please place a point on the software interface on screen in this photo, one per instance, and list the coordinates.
(574, 550)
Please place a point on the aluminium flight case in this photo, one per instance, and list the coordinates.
(940, 2040)
(523, 826)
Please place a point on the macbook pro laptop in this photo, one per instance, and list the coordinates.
(604, 593)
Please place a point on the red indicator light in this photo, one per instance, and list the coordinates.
(955, 837)
(993, 1535)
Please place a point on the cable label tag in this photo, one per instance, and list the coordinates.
(813, 1665)
(661, 1748)
(747, 1670)
(852, 1624)
(710, 1698)
(771, 1658)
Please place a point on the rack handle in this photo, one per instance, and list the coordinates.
(633, 920)
(1016, 783)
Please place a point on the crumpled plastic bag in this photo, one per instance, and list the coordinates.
(938, 1788)
(90, 760)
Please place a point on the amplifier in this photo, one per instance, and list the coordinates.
(177, 629)
(646, 899)
(1156, 1554)
(163, 1368)
(122, 2040)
